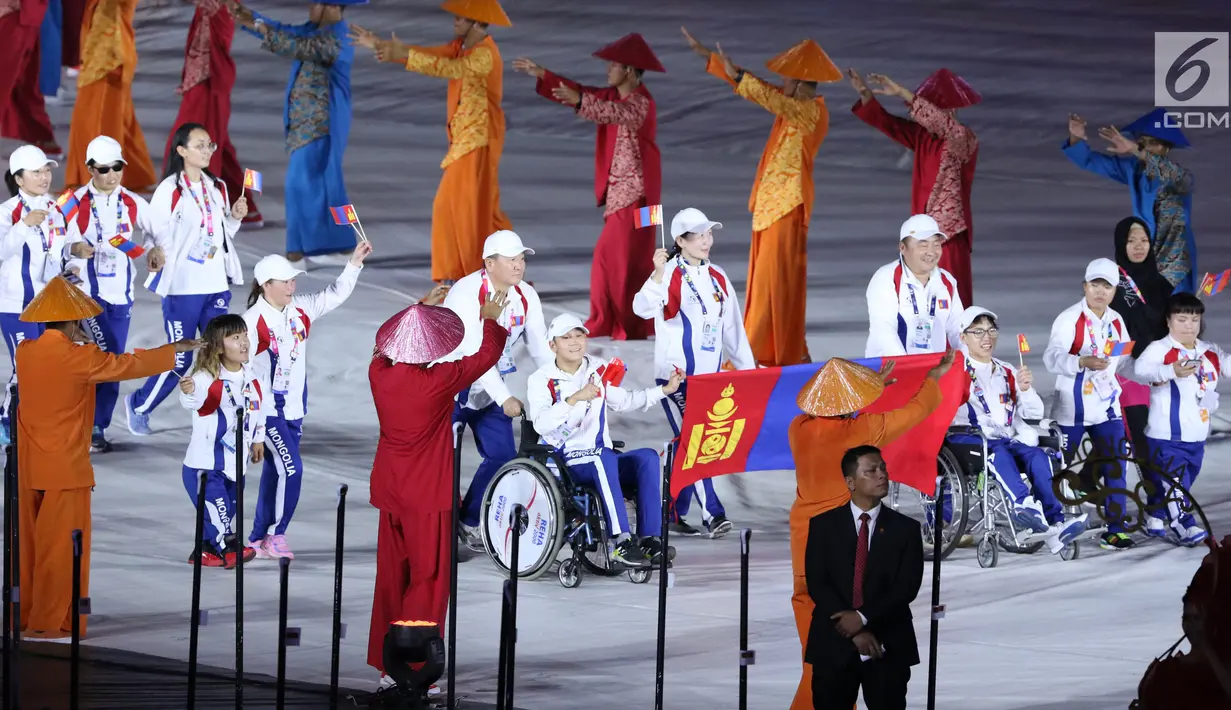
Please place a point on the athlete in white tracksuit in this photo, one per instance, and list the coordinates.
(279, 335)
(32, 248)
(698, 326)
(569, 404)
(102, 236)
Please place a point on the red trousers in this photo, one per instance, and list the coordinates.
(412, 574)
(70, 41)
(623, 260)
(23, 116)
(212, 109)
(956, 260)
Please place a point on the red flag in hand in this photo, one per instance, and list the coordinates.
(614, 373)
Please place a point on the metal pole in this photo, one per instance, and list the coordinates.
(521, 520)
(15, 592)
(745, 658)
(502, 664)
(284, 570)
(660, 664)
(237, 529)
(451, 653)
(194, 630)
(335, 660)
(938, 612)
(74, 668)
(10, 536)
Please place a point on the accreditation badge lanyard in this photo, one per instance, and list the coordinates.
(249, 405)
(914, 304)
(718, 295)
(1201, 373)
(45, 236)
(282, 373)
(1101, 380)
(207, 222)
(979, 394)
(1132, 284)
(507, 365)
(106, 261)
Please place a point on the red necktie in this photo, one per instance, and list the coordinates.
(861, 560)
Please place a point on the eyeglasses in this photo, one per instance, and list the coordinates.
(980, 333)
(204, 147)
(104, 169)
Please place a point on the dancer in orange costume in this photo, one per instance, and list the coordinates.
(104, 94)
(781, 202)
(819, 437)
(55, 412)
(23, 113)
(467, 205)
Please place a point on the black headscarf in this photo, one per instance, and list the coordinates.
(1142, 313)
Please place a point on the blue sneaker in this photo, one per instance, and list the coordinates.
(1031, 518)
(1155, 527)
(138, 424)
(1190, 536)
(1072, 529)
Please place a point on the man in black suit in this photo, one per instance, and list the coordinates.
(864, 566)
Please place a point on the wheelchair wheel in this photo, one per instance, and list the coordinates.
(1002, 519)
(639, 576)
(922, 506)
(596, 552)
(1070, 551)
(569, 573)
(529, 483)
(987, 553)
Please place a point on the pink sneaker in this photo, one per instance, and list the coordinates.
(261, 548)
(275, 546)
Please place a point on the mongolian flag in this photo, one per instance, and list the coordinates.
(68, 203)
(1113, 349)
(648, 216)
(738, 421)
(252, 180)
(1022, 346)
(130, 249)
(344, 215)
(1213, 283)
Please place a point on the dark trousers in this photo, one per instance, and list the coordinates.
(836, 687)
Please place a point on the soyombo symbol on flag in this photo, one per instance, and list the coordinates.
(648, 216)
(68, 203)
(344, 215)
(737, 421)
(252, 180)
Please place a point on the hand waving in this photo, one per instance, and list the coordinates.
(1118, 143)
(1077, 128)
(494, 305)
(701, 50)
(525, 65)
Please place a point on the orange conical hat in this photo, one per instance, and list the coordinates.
(805, 61)
(840, 387)
(60, 301)
(486, 11)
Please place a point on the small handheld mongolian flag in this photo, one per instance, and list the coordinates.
(252, 180)
(613, 373)
(344, 215)
(1213, 283)
(130, 249)
(1023, 347)
(1117, 349)
(648, 216)
(67, 202)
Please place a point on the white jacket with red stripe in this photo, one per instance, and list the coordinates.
(180, 214)
(99, 218)
(1082, 395)
(582, 428)
(1180, 407)
(1002, 409)
(522, 317)
(897, 303)
(281, 337)
(681, 316)
(31, 256)
(214, 402)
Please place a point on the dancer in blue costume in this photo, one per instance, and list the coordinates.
(317, 118)
(1162, 190)
(49, 47)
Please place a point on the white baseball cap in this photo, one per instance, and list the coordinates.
(104, 150)
(563, 324)
(920, 226)
(970, 315)
(504, 243)
(29, 157)
(1104, 269)
(274, 267)
(691, 220)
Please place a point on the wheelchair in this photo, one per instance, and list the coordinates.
(921, 506)
(560, 511)
(988, 515)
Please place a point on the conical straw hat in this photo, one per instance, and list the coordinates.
(60, 301)
(946, 90)
(420, 334)
(485, 11)
(805, 61)
(840, 387)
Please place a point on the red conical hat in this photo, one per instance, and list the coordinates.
(60, 301)
(420, 334)
(485, 11)
(946, 90)
(805, 61)
(631, 50)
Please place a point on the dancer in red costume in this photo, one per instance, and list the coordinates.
(209, 76)
(945, 155)
(627, 177)
(23, 115)
(412, 477)
(70, 35)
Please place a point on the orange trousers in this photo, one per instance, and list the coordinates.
(105, 108)
(48, 519)
(774, 315)
(464, 214)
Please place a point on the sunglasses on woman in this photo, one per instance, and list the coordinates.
(104, 169)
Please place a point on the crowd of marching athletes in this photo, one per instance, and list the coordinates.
(1128, 357)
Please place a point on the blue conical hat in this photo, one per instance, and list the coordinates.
(1155, 125)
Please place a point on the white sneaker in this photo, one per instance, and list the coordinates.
(1191, 536)
(1155, 527)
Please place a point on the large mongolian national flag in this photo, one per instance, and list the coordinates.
(737, 421)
